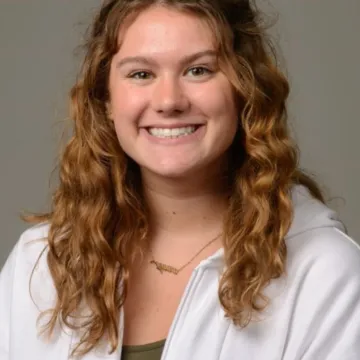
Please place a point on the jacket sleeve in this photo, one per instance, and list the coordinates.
(327, 317)
(7, 278)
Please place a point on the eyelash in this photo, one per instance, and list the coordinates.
(133, 75)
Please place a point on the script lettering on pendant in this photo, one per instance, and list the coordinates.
(163, 267)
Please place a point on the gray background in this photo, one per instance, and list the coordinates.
(321, 49)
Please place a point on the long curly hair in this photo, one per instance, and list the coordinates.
(99, 219)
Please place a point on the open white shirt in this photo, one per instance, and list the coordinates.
(314, 313)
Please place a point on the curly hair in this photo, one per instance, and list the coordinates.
(99, 219)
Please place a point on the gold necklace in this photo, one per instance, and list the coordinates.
(173, 270)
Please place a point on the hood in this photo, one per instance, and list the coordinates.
(309, 214)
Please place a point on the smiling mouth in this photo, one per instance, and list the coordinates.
(172, 133)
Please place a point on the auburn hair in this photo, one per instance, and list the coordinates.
(98, 218)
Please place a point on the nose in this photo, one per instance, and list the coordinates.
(168, 96)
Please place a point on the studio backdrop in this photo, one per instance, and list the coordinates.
(320, 50)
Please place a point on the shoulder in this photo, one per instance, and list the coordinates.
(27, 264)
(35, 233)
(26, 290)
(322, 294)
(324, 257)
(323, 281)
(31, 245)
(315, 305)
(317, 241)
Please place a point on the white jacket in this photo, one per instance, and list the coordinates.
(314, 312)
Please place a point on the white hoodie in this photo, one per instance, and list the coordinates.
(314, 312)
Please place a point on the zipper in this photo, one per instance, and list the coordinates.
(188, 290)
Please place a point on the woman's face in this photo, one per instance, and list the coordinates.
(173, 109)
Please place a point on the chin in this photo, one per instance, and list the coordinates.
(171, 172)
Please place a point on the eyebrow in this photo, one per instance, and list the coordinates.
(185, 60)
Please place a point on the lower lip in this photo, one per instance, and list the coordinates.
(186, 139)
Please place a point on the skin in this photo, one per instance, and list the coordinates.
(182, 178)
(164, 90)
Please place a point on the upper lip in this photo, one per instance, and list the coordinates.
(172, 126)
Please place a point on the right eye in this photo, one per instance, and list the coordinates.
(140, 75)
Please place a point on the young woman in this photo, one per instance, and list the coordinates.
(182, 227)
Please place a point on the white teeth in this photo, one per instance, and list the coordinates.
(172, 133)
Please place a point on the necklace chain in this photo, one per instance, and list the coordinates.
(161, 267)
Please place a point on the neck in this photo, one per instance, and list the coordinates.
(185, 208)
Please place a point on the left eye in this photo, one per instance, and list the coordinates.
(199, 71)
(140, 75)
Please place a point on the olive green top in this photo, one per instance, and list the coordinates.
(151, 351)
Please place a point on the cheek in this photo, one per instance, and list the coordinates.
(124, 112)
(126, 101)
(127, 108)
(221, 107)
(217, 98)
(218, 102)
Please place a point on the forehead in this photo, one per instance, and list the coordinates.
(160, 29)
